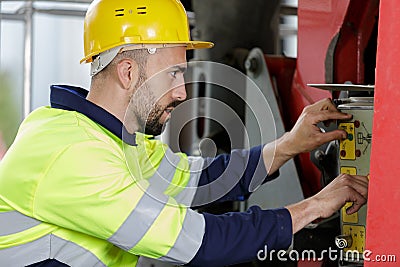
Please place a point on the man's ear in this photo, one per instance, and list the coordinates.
(128, 73)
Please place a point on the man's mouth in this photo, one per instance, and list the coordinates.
(169, 110)
(172, 106)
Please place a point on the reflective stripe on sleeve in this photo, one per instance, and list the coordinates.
(189, 240)
(72, 254)
(48, 247)
(12, 222)
(162, 177)
(186, 196)
(159, 228)
(140, 220)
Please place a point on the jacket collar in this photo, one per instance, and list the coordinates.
(74, 99)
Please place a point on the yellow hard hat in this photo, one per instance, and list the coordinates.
(113, 23)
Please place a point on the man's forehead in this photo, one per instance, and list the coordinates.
(167, 58)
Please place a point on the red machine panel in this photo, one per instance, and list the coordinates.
(383, 220)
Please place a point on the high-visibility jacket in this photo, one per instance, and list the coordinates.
(77, 188)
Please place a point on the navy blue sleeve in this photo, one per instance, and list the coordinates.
(238, 237)
(233, 176)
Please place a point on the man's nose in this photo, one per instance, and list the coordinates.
(179, 92)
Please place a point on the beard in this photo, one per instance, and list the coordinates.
(153, 126)
(147, 112)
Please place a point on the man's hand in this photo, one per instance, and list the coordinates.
(306, 135)
(345, 188)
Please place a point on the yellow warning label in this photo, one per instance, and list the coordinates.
(348, 170)
(348, 146)
(346, 218)
(357, 233)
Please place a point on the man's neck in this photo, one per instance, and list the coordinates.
(114, 101)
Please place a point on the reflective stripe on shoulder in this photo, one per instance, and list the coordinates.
(189, 240)
(49, 247)
(140, 220)
(12, 222)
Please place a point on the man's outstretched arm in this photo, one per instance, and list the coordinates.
(305, 134)
(243, 169)
(238, 236)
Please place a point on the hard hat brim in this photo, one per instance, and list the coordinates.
(189, 46)
(199, 45)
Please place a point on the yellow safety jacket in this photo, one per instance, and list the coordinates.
(76, 188)
(73, 191)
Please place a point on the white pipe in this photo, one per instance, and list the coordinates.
(28, 47)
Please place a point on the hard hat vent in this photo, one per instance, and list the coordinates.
(119, 12)
(142, 10)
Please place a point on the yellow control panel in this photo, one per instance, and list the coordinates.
(357, 233)
(354, 159)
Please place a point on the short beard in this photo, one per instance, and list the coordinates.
(153, 125)
(143, 105)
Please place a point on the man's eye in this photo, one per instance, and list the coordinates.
(173, 73)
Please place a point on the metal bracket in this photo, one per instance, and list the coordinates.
(288, 184)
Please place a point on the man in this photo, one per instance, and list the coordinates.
(80, 188)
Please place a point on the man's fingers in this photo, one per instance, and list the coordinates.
(332, 135)
(326, 115)
(329, 104)
(358, 201)
(361, 179)
(324, 104)
(360, 188)
(345, 188)
(356, 190)
(354, 180)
